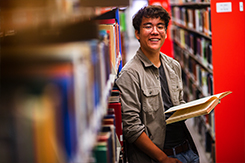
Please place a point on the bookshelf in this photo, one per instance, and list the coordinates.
(57, 74)
(192, 40)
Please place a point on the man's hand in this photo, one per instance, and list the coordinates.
(146, 145)
(170, 160)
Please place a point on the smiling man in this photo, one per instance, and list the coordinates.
(151, 83)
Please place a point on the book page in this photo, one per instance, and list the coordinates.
(193, 111)
(191, 104)
(221, 95)
(197, 102)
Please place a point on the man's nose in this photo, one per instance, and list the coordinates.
(154, 30)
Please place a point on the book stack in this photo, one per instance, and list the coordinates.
(115, 104)
(103, 150)
(112, 123)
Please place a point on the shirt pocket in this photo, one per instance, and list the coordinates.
(151, 99)
(176, 91)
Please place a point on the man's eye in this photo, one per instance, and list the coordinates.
(160, 27)
(148, 26)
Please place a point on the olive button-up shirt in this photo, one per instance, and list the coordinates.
(142, 105)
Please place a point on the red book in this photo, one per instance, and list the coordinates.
(118, 117)
(107, 21)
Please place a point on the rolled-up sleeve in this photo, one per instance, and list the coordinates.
(128, 85)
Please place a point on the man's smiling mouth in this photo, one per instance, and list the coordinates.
(154, 39)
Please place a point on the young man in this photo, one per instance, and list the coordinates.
(150, 83)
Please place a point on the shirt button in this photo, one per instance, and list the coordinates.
(158, 78)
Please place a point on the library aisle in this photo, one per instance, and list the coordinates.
(132, 48)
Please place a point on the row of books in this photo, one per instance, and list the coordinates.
(198, 83)
(107, 60)
(198, 47)
(110, 28)
(195, 90)
(38, 117)
(93, 81)
(56, 94)
(195, 19)
(110, 35)
(109, 145)
(54, 104)
(104, 60)
(194, 74)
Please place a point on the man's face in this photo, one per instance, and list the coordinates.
(152, 34)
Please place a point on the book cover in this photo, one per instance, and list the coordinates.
(110, 28)
(118, 116)
(111, 128)
(105, 140)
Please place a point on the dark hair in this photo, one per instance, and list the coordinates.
(152, 11)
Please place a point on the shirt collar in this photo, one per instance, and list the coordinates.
(146, 61)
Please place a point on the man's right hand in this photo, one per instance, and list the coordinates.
(146, 145)
(171, 160)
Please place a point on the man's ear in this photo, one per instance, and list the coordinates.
(166, 36)
(137, 34)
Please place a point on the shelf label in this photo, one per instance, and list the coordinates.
(223, 7)
(241, 6)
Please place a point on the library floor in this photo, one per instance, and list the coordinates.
(133, 46)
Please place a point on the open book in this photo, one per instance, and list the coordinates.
(195, 108)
